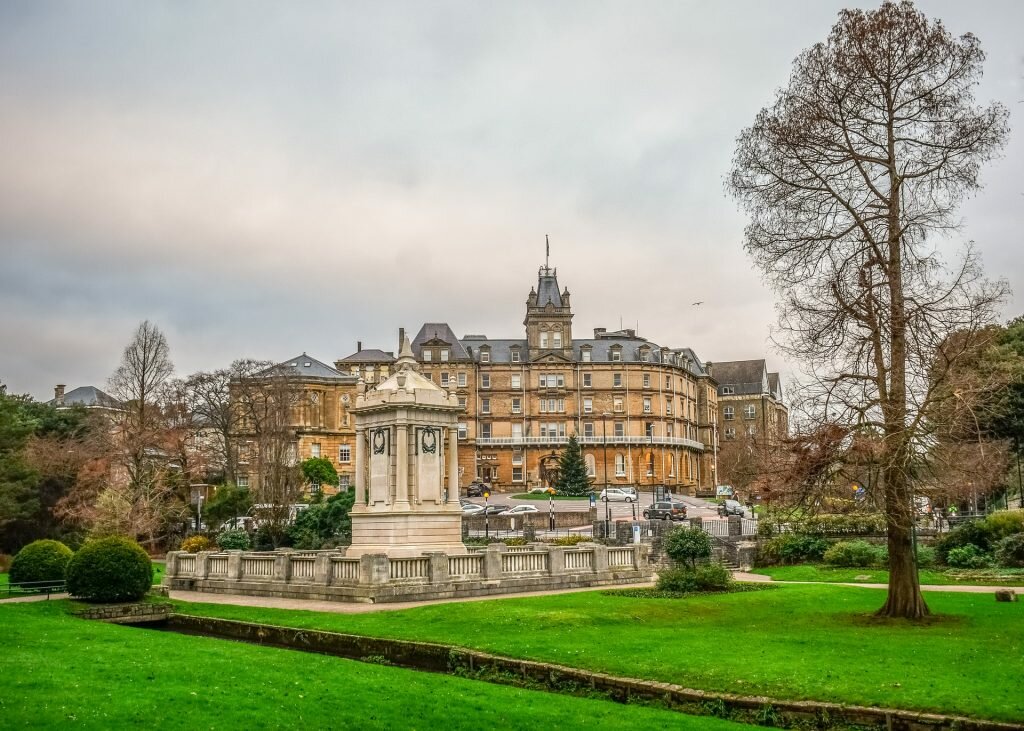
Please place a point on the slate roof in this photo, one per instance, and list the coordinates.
(775, 385)
(438, 331)
(747, 377)
(306, 366)
(547, 288)
(90, 397)
(600, 351)
(369, 355)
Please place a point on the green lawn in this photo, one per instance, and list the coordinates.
(817, 572)
(158, 572)
(60, 670)
(797, 642)
(3, 579)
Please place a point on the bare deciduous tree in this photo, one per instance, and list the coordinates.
(848, 177)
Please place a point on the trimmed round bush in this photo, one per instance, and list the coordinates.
(967, 557)
(40, 561)
(713, 577)
(687, 545)
(112, 569)
(705, 577)
(853, 554)
(234, 540)
(195, 544)
(1010, 551)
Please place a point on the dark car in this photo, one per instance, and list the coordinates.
(665, 511)
(494, 509)
(476, 489)
(731, 507)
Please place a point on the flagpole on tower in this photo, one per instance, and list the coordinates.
(547, 251)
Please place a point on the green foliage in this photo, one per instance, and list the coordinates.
(229, 501)
(1004, 523)
(323, 523)
(197, 543)
(705, 577)
(114, 569)
(572, 470)
(514, 541)
(1010, 551)
(43, 560)
(790, 548)
(5, 562)
(855, 554)
(319, 471)
(234, 540)
(977, 533)
(834, 525)
(572, 540)
(688, 545)
(927, 556)
(967, 557)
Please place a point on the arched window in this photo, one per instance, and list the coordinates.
(591, 465)
(671, 465)
(650, 464)
(620, 465)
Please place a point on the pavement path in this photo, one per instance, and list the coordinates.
(962, 588)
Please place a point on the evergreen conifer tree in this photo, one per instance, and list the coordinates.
(572, 470)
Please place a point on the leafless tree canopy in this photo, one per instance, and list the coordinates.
(848, 177)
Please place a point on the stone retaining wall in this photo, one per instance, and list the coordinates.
(127, 613)
(331, 576)
(537, 521)
(436, 657)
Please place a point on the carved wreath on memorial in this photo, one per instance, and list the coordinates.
(428, 441)
(380, 441)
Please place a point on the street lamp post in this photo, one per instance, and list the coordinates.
(604, 440)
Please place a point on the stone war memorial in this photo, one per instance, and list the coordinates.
(406, 522)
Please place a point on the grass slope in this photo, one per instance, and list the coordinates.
(60, 670)
(817, 572)
(797, 642)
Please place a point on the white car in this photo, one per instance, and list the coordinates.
(520, 510)
(615, 494)
(472, 509)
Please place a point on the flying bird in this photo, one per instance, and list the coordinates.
(697, 304)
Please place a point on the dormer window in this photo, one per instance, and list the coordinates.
(514, 354)
(645, 355)
(728, 390)
(585, 355)
(428, 355)
(485, 355)
(444, 355)
(616, 353)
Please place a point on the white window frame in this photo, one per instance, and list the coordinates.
(461, 379)
(428, 355)
(620, 465)
(345, 454)
(588, 380)
(543, 339)
(750, 411)
(485, 406)
(517, 405)
(516, 381)
(444, 355)
(514, 355)
(728, 413)
(616, 380)
(585, 355)
(485, 355)
(315, 450)
(463, 430)
(618, 405)
(485, 380)
(445, 378)
(588, 406)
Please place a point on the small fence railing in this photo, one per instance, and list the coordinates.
(218, 566)
(344, 569)
(255, 567)
(469, 565)
(33, 587)
(579, 560)
(620, 557)
(302, 567)
(718, 528)
(410, 568)
(187, 564)
(524, 561)
(749, 527)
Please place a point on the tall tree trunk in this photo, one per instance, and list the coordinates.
(904, 599)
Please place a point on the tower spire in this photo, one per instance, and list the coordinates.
(547, 251)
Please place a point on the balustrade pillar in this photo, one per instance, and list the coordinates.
(171, 568)
(600, 558)
(438, 567)
(322, 568)
(374, 568)
(556, 560)
(235, 565)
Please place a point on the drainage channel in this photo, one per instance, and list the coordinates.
(475, 665)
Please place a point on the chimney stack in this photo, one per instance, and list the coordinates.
(58, 394)
(359, 346)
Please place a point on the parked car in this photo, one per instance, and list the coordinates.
(520, 510)
(493, 510)
(617, 494)
(472, 509)
(731, 507)
(665, 511)
(477, 489)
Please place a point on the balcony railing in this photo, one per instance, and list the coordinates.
(612, 440)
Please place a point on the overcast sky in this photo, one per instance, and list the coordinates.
(264, 178)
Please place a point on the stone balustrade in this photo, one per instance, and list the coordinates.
(331, 575)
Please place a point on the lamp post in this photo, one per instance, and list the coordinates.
(604, 440)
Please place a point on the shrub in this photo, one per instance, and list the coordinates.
(572, 540)
(1010, 551)
(967, 557)
(40, 561)
(826, 524)
(234, 540)
(977, 533)
(197, 543)
(515, 541)
(793, 548)
(1005, 523)
(687, 545)
(926, 556)
(706, 577)
(855, 554)
(111, 569)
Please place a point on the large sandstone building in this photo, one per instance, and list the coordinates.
(645, 414)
